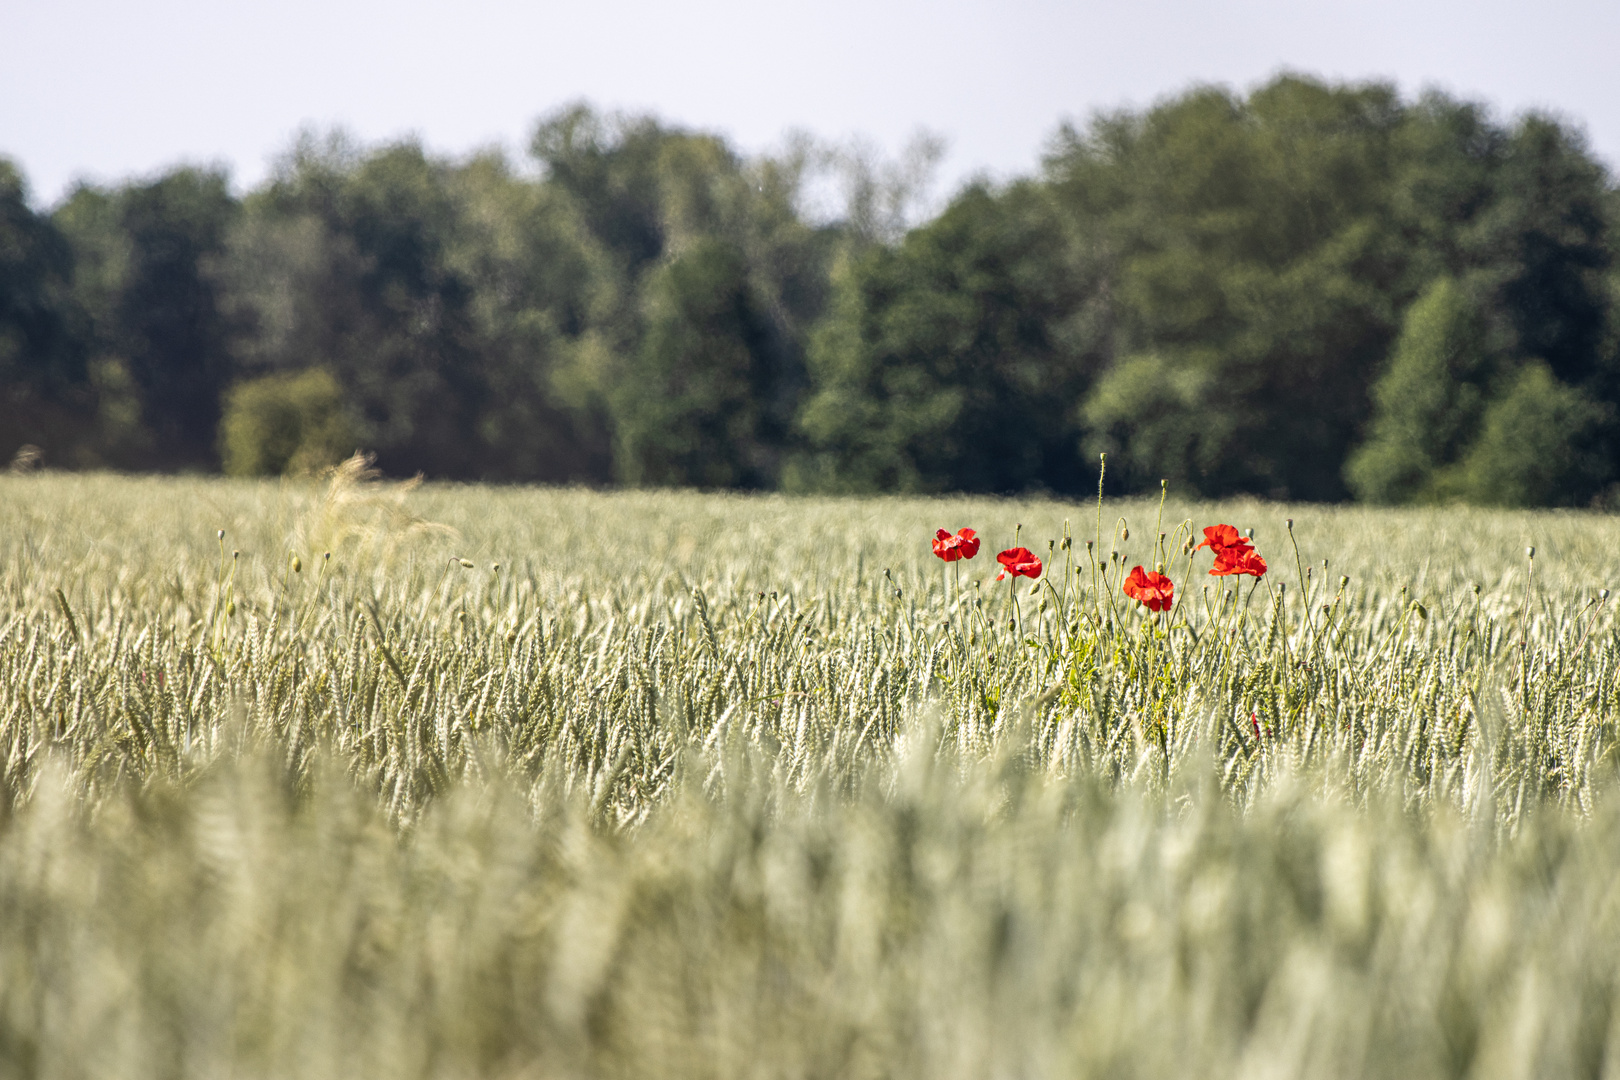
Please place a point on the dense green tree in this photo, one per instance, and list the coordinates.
(43, 374)
(1257, 277)
(294, 424)
(344, 264)
(955, 360)
(149, 251)
(707, 400)
(676, 212)
(1428, 402)
(1546, 240)
(1523, 217)
(541, 285)
(1538, 443)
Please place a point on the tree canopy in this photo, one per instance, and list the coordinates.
(1314, 290)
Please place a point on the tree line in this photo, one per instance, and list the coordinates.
(1314, 291)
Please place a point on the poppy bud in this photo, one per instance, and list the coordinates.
(466, 563)
(1125, 533)
(1282, 587)
(1068, 542)
(897, 594)
(1530, 552)
(297, 565)
(1422, 612)
(1249, 533)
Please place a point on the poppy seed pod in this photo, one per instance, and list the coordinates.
(1603, 594)
(1530, 552)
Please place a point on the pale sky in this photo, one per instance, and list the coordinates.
(108, 89)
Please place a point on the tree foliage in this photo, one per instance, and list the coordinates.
(1311, 290)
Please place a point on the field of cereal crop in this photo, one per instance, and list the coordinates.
(524, 782)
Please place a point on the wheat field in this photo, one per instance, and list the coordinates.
(358, 778)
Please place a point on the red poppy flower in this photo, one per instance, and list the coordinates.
(1217, 537)
(1019, 562)
(964, 545)
(1151, 588)
(1238, 560)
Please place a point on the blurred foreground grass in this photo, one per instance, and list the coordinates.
(709, 786)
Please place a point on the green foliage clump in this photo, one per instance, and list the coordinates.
(1453, 422)
(705, 403)
(1535, 445)
(293, 424)
(45, 395)
(953, 361)
(1428, 402)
